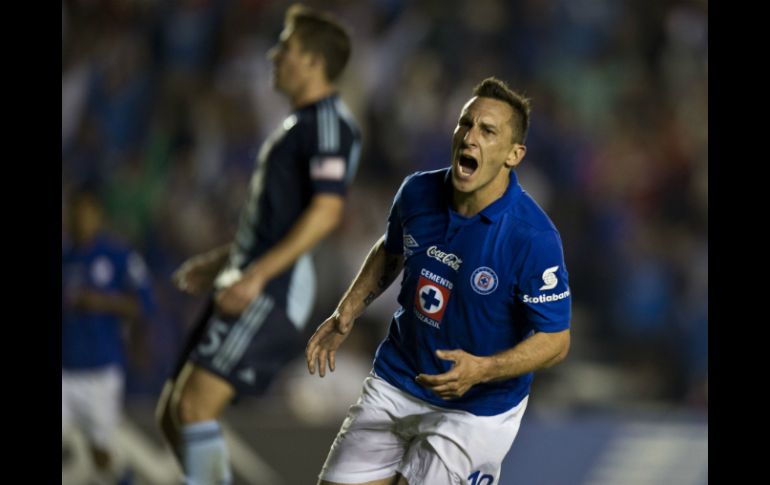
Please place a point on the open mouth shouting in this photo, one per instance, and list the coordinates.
(466, 166)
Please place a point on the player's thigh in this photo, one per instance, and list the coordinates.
(422, 465)
(471, 448)
(200, 395)
(369, 447)
(166, 414)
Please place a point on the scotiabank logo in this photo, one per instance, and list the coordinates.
(549, 279)
(545, 298)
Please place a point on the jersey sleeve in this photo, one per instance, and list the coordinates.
(543, 286)
(394, 233)
(333, 153)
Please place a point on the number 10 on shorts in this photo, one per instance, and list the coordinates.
(474, 479)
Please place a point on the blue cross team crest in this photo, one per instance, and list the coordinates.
(430, 301)
(484, 280)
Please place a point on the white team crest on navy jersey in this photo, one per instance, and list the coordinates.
(484, 280)
(549, 278)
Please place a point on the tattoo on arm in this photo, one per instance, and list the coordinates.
(390, 271)
(391, 268)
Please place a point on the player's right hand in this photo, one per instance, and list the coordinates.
(192, 278)
(324, 343)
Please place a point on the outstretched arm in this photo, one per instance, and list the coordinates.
(379, 270)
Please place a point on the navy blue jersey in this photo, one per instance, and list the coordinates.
(315, 150)
(481, 284)
(91, 340)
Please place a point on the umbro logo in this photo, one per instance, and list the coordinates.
(409, 241)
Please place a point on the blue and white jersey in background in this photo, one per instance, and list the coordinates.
(481, 284)
(315, 150)
(95, 340)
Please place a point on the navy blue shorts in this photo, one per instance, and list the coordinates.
(247, 351)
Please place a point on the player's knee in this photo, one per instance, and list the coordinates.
(190, 409)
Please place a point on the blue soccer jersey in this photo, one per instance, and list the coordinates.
(91, 340)
(314, 151)
(481, 284)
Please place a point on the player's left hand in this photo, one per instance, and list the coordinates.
(468, 370)
(233, 300)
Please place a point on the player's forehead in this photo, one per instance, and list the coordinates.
(487, 110)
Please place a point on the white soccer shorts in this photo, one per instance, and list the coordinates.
(92, 401)
(389, 431)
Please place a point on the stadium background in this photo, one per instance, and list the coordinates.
(165, 104)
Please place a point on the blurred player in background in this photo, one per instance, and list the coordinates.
(484, 302)
(104, 286)
(262, 285)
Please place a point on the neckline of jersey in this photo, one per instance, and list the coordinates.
(490, 213)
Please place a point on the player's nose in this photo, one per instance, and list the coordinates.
(469, 138)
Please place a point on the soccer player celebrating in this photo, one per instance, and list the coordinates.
(484, 302)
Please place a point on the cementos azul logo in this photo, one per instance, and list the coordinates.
(448, 259)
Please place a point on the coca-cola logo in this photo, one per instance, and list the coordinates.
(448, 259)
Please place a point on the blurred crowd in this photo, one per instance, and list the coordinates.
(165, 104)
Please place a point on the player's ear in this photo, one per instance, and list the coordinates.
(317, 61)
(515, 155)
